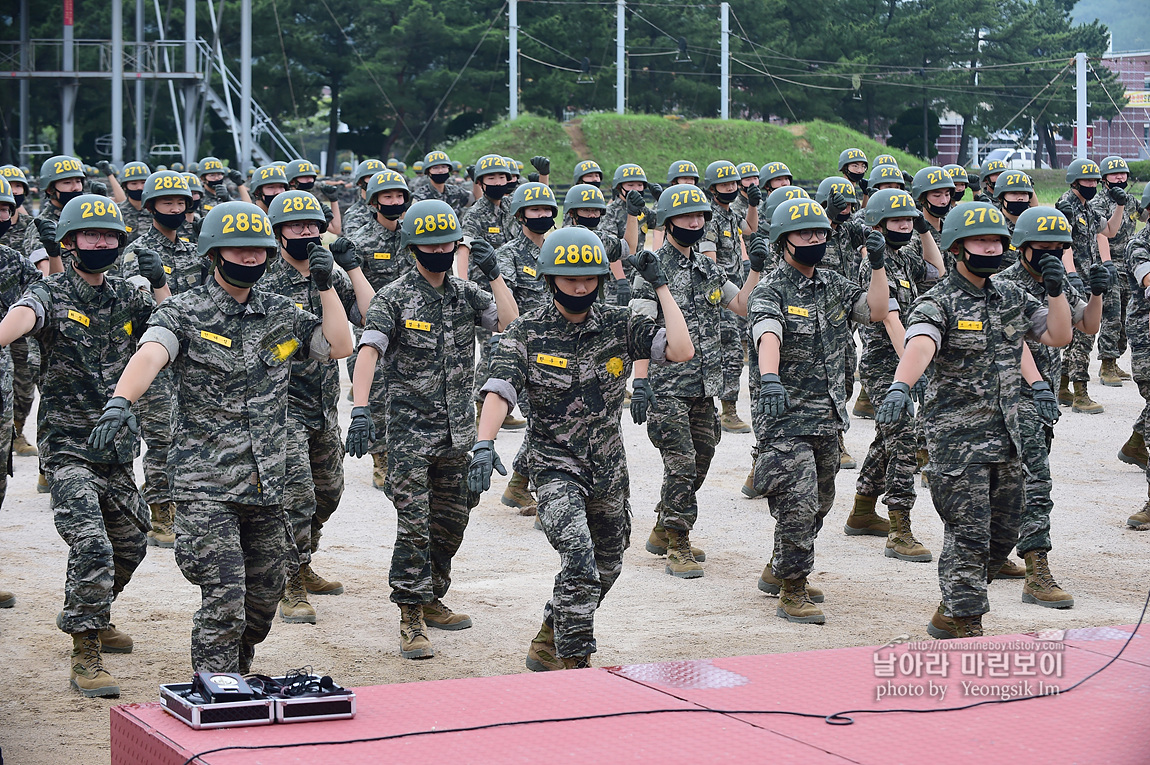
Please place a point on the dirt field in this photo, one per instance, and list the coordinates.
(503, 576)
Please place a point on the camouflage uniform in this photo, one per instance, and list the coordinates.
(722, 237)
(1112, 336)
(614, 221)
(577, 457)
(135, 221)
(491, 222)
(50, 212)
(455, 196)
(1137, 321)
(426, 340)
(227, 464)
(15, 236)
(1085, 224)
(970, 419)
(355, 217)
(682, 423)
(25, 353)
(16, 273)
(798, 453)
(615, 248)
(86, 337)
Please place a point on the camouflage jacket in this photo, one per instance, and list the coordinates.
(614, 220)
(230, 365)
(575, 376)
(971, 410)
(379, 253)
(489, 221)
(182, 263)
(811, 317)
(740, 207)
(1104, 206)
(48, 211)
(1048, 360)
(453, 194)
(15, 236)
(844, 247)
(427, 343)
(136, 221)
(354, 218)
(210, 199)
(518, 265)
(1138, 261)
(1085, 225)
(722, 235)
(86, 335)
(906, 274)
(700, 288)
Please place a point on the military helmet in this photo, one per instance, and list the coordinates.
(298, 168)
(780, 195)
(6, 197)
(13, 174)
(747, 170)
(91, 171)
(194, 184)
(401, 167)
(282, 163)
(346, 168)
(211, 165)
(573, 251)
(1013, 180)
(584, 196)
(193, 167)
(885, 174)
(59, 168)
(533, 195)
(387, 180)
(417, 166)
(930, 178)
(135, 171)
(392, 163)
(887, 204)
(957, 173)
(430, 221)
(798, 215)
(850, 156)
(681, 199)
(366, 168)
(161, 167)
(973, 219)
(457, 166)
(489, 164)
(236, 224)
(296, 205)
(720, 171)
(990, 168)
(178, 167)
(90, 211)
(1113, 164)
(1041, 224)
(433, 158)
(682, 168)
(250, 171)
(1082, 169)
(627, 173)
(885, 159)
(165, 183)
(268, 175)
(584, 167)
(772, 170)
(516, 165)
(830, 185)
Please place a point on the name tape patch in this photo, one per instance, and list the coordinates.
(420, 325)
(795, 310)
(217, 339)
(77, 316)
(551, 361)
(973, 325)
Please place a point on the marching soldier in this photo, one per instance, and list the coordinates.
(437, 170)
(1112, 337)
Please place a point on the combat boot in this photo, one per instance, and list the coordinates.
(900, 542)
(1009, 570)
(316, 584)
(1122, 373)
(511, 422)
(541, 653)
(680, 562)
(657, 544)
(1133, 452)
(161, 534)
(1040, 588)
(20, 445)
(413, 640)
(294, 608)
(1065, 397)
(88, 674)
(42, 485)
(943, 627)
(247, 656)
(576, 662)
(796, 605)
(772, 585)
(846, 461)
(1108, 374)
(749, 490)
(518, 495)
(113, 640)
(7, 599)
(863, 519)
(379, 470)
(1082, 401)
(863, 408)
(1140, 521)
(730, 420)
(437, 615)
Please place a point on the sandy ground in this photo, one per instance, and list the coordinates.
(503, 576)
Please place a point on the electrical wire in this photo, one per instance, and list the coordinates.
(764, 65)
(1036, 95)
(549, 64)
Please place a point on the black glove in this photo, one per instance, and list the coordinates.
(343, 251)
(895, 404)
(642, 397)
(1052, 275)
(974, 184)
(236, 177)
(483, 460)
(116, 415)
(876, 248)
(47, 231)
(634, 203)
(542, 164)
(361, 432)
(863, 185)
(151, 267)
(1118, 195)
(329, 191)
(622, 292)
(321, 264)
(1045, 402)
(773, 399)
(98, 187)
(754, 195)
(922, 225)
(1075, 280)
(221, 191)
(328, 216)
(656, 191)
(197, 224)
(649, 267)
(757, 253)
(533, 177)
(1112, 267)
(471, 172)
(1100, 279)
(483, 256)
(836, 204)
(106, 167)
(918, 392)
(907, 178)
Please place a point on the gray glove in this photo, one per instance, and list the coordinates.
(484, 459)
(343, 251)
(221, 191)
(622, 292)
(321, 264)
(1075, 280)
(757, 253)
(649, 267)
(918, 392)
(634, 202)
(361, 432)
(642, 397)
(1118, 195)
(773, 399)
(895, 404)
(876, 249)
(483, 256)
(151, 267)
(117, 414)
(754, 195)
(1045, 402)
(1052, 275)
(542, 164)
(1100, 279)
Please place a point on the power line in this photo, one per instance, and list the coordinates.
(546, 63)
(763, 64)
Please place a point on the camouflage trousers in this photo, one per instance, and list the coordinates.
(6, 404)
(732, 331)
(889, 467)
(851, 364)
(26, 375)
(1034, 527)
(797, 476)
(101, 516)
(590, 535)
(1076, 357)
(433, 504)
(313, 483)
(981, 507)
(154, 411)
(1112, 335)
(685, 431)
(1142, 424)
(238, 555)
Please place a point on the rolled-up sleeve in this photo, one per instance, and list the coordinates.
(763, 326)
(501, 388)
(923, 328)
(373, 338)
(164, 337)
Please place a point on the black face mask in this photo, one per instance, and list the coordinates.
(540, 225)
(937, 211)
(983, 265)
(809, 254)
(957, 195)
(239, 275)
(1121, 185)
(853, 177)
(593, 183)
(897, 238)
(844, 216)
(726, 197)
(136, 194)
(435, 262)
(170, 221)
(96, 261)
(588, 222)
(1036, 257)
(576, 303)
(1087, 192)
(297, 248)
(64, 197)
(4, 226)
(267, 199)
(302, 186)
(440, 178)
(1016, 208)
(391, 212)
(196, 205)
(685, 236)
(495, 193)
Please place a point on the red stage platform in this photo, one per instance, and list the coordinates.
(1102, 721)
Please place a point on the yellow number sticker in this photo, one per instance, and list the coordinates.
(905, 284)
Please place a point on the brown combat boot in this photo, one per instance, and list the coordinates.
(863, 520)
(437, 615)
(1082, 402)
(1122, 373)
(113, 640)
(316, 584)
(162, 534)
(541, 653)
(846, 461)
(1108, 374)
(20, 445)
(749, 490)
(863, 408)
(511, 422)
(1009, 570)
(900, 542)
(943, 627)
(88, 674)
(680, 562)
(518, 495)
(772, 585)
(413, 640)
(1040, 588)
(1133, 452)
(379, 470)
(42, 485)
(7, 599)
(795, 604)
(1065, 397)
(576, 662)
(1140, 521)
(730, 420)
(294, 608)
(657, 544)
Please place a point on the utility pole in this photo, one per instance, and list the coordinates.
(68, 89)
(1080, 87)
(117, 82)
(620, 56)
(245, 84)
(513, 58)
(139, 82)
(25, 123)
(191, 140)
(725, 62)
